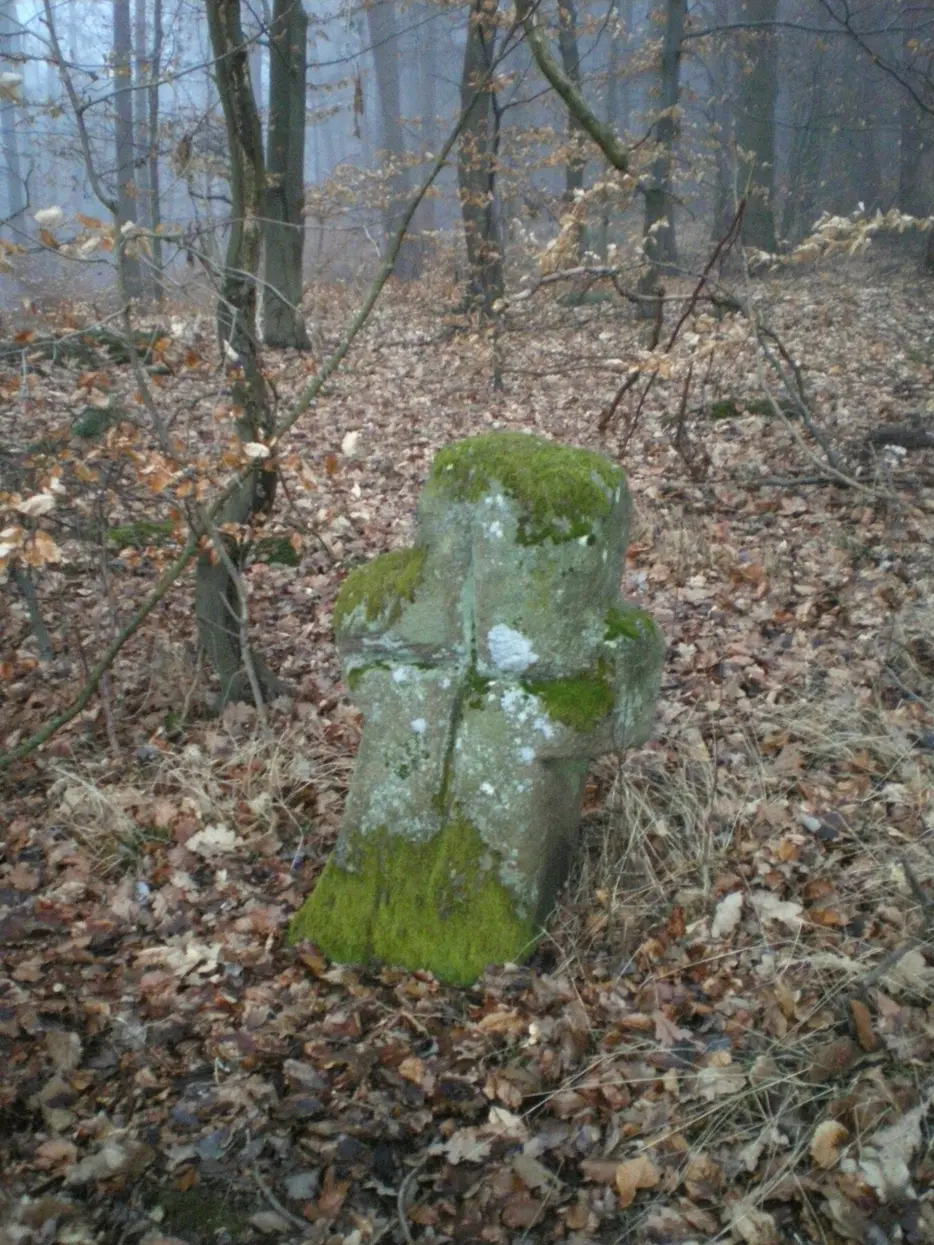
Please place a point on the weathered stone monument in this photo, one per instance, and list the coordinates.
(491, 662)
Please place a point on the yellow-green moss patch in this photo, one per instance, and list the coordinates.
(437, 905)
(579, 702)
(381, 586)
(141, 534)
(561, 492)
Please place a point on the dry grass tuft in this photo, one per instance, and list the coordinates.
(290, 783)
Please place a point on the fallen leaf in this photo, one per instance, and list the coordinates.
(862, 1022)
(770, 908)
(633, 1175)
(828, 1137)
(727, 916)
(752, 1225)
(885, 1156)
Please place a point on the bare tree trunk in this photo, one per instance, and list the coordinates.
(659, 230)
(571, 64)
(914, 129)
(755, 127)
(804, 160)
(15, 187)
(285, 178)
(384, 40)
(476, 161)
(617, 101)
(429, 62)
(218, 594)
(127, 207)
(141, 131)
(155, 190)
(721, 73)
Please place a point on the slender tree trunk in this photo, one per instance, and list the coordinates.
(914, 131)
(385, 44)
(220, 609)
(285, 178)
(617, 99)
(127, 208)
(571, 64)
(911, 197)
(755, 127)
(143, 70)
(721, 71)
(804, 161)
(15, 187)
(429, 61)
(384, 40)
(659, 231)
(152, 150)
(476, 162)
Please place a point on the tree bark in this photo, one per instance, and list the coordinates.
(755, 128)
(659, 231)
(805, 157)
(127, 207)
(429, 59)
(9, 136)
(152, 150)
(476, 162)
(285, 178)
(219, 605)
(571, 64)
(384, 41)
(143, 70)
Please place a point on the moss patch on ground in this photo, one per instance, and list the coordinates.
(380, 587)
(436, 905)
(579, 702)
(731, 408)
(561, 492)
(199, 1214)
(140, 534)
(276, 551)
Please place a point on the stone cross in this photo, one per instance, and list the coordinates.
(491, 662)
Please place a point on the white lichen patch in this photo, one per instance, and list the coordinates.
(487, 788)
(527, 755)
(545, 726)
(518, 705)
(419, 726)
(510, 650)
(400, 674)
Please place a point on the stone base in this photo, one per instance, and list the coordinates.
(437, 905)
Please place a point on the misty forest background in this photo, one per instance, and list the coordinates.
(824, 105)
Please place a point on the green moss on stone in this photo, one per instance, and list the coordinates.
(354, 676)
(436, 905)
(381, 586)
(475, 688)
(561, 492)
(627, 623)
(579, 702)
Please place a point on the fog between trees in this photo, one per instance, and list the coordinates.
(800, 108)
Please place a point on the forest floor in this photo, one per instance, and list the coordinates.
(728, 1031)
